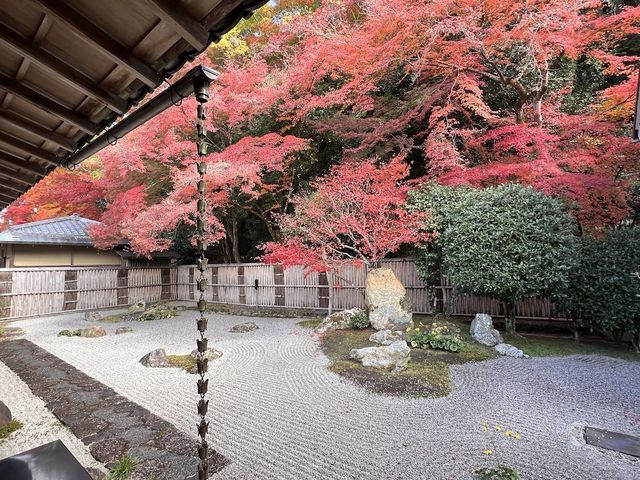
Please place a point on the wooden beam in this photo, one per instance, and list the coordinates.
(28, 149)
(18, 177)
(48, 105)
(186, 26)
(61, 70)
(4, 184)
(89, 32)
(8, 198)
(16, 162)
(37, 130)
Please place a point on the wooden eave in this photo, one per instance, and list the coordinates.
(71, 68)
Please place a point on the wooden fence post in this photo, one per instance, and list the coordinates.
(123, 286)
(6, 283)
(70, 283)
(278, 279)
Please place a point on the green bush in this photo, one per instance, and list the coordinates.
(436, 336)
(359, 321)
(604, 288)
(508, 242)
(497, 473)
(69, 333)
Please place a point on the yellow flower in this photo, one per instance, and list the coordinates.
(488, 452)
(485, 426)
(498, 428)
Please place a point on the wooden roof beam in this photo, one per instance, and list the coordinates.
(191, 30)
(28, 149)
(16, 162)
(26, 126)
(6, 185)
(61, 70)
(18, 177)
(48, 105)
(7, 198)
(89, 32)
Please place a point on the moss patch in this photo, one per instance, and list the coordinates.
(186, 362)
(312, 323)
(427, 374)
(117, 318)
(123, 469)
(9, 428)
(556, 346)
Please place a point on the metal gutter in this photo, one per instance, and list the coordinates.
(172, 95)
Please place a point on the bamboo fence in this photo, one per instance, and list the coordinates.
(41, 291)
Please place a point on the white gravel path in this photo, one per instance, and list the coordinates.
(39, 425)
(277, 413)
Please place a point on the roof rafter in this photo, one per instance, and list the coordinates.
(5, 184)
(35, 129)
(16, 162)
(19, 177)
(51, 106)
(191, 30)
(28, 149)
(118, 53)
(61, 70)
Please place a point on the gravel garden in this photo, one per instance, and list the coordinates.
(295, 399)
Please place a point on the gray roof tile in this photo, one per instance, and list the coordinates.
(55, 231)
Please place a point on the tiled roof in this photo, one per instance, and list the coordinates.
(56, 231)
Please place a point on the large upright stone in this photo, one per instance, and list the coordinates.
(482, 330)
(387, 302)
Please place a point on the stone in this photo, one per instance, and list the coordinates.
(386, 337)
(244, 327)
(482, 330)
(95, 331)
(121, 330)
(510, 351)
(92, 316)
(5, 414)
(96, 474)
(210, 354)
(138, 307)
(155, 359)
(397, 354)
(386, 300)
(339, 320)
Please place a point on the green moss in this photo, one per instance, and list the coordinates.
(427, 374)
(117, 318)
(186, 362)
(554, 346)
(69, 333)
(312, 323)
(123, 469)
(1, 331)
(9, 428)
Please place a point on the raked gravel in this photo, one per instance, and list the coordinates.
(278, 413)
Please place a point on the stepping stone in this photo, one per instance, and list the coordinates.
(618, 442)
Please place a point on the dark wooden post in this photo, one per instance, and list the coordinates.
(70, 290)
(123, 286)
(241, 289)
(6, 283)
(165, 279)
(215, 293)
(323, 292)
(191, 283)
(278, 279)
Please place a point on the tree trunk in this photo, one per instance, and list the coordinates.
(510, 317)
(575, 331)
(537, 111)
(235, 243)
(635, 341)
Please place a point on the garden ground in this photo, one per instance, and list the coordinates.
(278, 412)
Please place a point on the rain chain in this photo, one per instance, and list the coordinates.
(202, 96)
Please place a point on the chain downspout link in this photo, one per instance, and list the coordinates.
(202, 96)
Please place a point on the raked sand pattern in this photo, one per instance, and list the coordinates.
(277, 413)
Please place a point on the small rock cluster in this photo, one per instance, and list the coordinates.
(244, 327)
(338, 321)
(482, 331)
